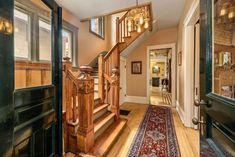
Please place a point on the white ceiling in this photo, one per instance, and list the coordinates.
(166, 12)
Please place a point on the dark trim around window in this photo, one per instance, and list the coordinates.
(74, 30)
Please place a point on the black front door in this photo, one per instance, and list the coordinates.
(217, 78)
(30, 78)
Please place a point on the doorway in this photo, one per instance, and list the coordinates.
(161, 65)
(160, 76)
(122, 80)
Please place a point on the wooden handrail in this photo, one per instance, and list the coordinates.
(110, 52)
(123, 17)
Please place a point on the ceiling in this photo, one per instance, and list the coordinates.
(166, 12)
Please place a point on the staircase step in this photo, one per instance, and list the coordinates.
(97, 102)
(100, 110)
(102, 123)
(107, 139)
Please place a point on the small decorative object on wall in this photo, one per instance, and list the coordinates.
(156, 69)
(136, 67)
(180, 58)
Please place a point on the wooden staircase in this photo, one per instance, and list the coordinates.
(92, 124)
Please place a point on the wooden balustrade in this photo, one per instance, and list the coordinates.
(78, 95)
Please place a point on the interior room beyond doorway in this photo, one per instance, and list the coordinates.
(160, 76)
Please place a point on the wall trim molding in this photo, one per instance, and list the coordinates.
(136, 99)
(180, 112)
(188, 31)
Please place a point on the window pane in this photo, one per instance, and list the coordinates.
(21, 34)
(224, 48)
(44, 41)
(67, 43)
(97, 26)
(32, 72)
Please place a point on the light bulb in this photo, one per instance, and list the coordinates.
(223, 12)
(139, 29)
(231, 15)
(141, 19)
(129, 23)
(146, 25)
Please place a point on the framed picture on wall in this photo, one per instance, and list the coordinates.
(136, 67)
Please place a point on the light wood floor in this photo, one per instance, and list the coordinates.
(188, 139)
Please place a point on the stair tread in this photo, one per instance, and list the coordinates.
(103, 120)
(100, 107)
(105, 141)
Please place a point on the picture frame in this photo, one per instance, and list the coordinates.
(136, 67)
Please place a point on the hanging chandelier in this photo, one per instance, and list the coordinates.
(137, 18)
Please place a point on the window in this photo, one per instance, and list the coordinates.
(22, 34)
(97, 26)
(44, 41)
(70, 42)
(33, 36)
(67, 43)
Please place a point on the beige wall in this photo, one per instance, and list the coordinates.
(136, 84)
(89, 45)
(180, 70)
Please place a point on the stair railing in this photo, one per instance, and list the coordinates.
(109, 65)
(78, 95)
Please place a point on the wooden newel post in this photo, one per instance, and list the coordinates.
(101, 78)
(115, 92)
(85, 82)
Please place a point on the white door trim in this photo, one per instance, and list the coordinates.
(188, 64)
(124, 84)
(173, 67)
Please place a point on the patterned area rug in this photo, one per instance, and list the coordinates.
(156, 136)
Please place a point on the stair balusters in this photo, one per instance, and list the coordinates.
(78, 97)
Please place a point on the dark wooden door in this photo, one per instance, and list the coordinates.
(217, 78)
(30, 117)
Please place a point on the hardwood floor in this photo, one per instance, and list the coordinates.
(188, 139)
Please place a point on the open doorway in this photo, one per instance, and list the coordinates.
(160, 76)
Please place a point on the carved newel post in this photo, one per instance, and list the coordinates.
(115, 92)
(85, 137)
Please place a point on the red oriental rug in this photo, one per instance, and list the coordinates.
(156, 136)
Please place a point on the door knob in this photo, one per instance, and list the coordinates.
(201, 103)
(196, 121)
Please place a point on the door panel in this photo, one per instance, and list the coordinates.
(217, 69)
(6, 79)
(36, 107)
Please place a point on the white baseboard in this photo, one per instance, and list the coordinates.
(136, 99)
(180, 112)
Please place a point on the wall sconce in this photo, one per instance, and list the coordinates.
(6, 26)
